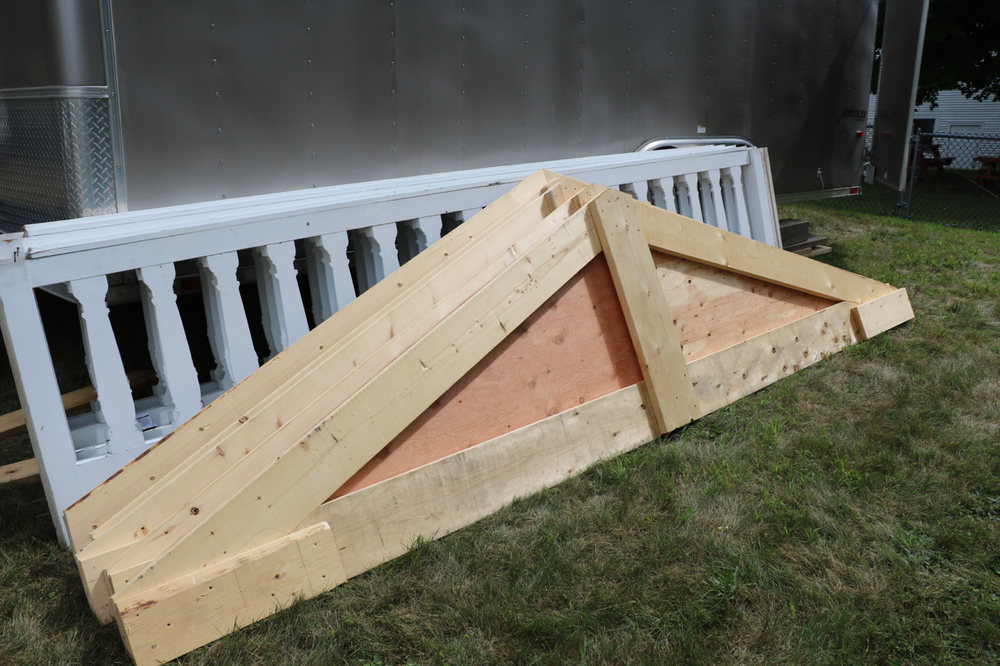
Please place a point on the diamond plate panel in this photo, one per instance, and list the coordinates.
(55, 160)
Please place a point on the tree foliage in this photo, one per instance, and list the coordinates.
(961, 50)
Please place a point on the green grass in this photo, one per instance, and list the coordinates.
(849, 514)
(950, 198)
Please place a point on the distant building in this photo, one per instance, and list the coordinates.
(954, 114)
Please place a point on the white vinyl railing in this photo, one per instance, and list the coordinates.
(284, 235)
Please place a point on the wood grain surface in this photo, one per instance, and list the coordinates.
(574, 349)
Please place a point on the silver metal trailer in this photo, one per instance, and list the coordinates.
(115, 105)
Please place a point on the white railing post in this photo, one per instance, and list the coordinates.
(35, 377)
(330, 280)
(228, 330)
(280, 298)
(168, 345)
(114, 406)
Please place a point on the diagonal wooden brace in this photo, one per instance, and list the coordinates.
(652, 329)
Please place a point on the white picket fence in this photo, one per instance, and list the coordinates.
(387, 222)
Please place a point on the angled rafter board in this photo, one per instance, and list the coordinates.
(680, 236)
(767, 315)
(100, 507)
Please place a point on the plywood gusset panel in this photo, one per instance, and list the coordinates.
(563, 324)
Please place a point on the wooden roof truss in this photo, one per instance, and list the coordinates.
(390, 421)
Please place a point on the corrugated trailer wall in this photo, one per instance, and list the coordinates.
(226, 99)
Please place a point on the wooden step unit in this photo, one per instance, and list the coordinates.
(796, 237)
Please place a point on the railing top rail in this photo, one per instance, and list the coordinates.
(163, 235)
(374, 191)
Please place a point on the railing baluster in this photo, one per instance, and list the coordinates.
(384, 236)
(683, 200)
(715, 176)
(736, 203)
(656, 194)
(688, 200)
(375, 255)
(713, 207)
(672, 195)
(427, 231)
(468, 214)
(666, 189)
(639, 190)
(705, 197)
(228, 329)
(329, 274)
(417, 235)
(114, 406)
(280, 298)
(168, 346)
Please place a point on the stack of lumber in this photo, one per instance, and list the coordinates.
(564, 323)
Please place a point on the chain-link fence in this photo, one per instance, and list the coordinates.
(953, 179)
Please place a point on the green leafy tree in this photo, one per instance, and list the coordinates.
(961, 50)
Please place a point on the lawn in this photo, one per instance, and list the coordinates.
(952, 197)
(849, 514)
